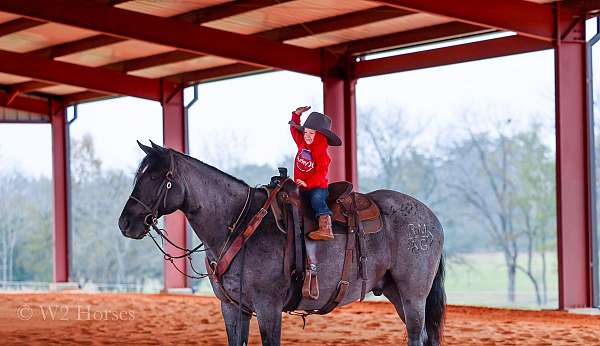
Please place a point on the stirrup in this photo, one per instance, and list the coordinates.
(310, 288)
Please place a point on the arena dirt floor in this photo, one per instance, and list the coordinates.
(138, 319)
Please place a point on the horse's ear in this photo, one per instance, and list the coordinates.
(156, 146)
(144, 148)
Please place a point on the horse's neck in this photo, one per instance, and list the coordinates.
(213, 201)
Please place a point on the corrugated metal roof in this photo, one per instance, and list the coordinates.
(165, 8)
(116, 52)
(277, 15)
(288, 13)
(404, 23)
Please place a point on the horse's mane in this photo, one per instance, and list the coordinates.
(157, 158)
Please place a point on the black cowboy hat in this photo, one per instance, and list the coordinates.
(322, 124)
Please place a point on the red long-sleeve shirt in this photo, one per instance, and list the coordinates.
(311, 163)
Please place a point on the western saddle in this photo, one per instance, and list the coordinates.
(358, 215)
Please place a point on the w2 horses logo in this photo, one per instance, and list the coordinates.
(304, 161)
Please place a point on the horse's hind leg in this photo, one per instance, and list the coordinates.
(231, 316)
(390, 291)
(411, 310)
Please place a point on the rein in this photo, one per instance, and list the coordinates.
(227, 253)
(151, 222)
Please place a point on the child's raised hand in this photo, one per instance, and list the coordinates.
(301, 110)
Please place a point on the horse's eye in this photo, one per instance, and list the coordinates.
(154, 176)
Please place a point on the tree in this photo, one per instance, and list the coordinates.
(390, 158)
(100, 253)
(11, 222)
(536, 204)
(506, 179)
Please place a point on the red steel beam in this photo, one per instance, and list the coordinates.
(216, 73)
(449, 55)
(219, 11)
(82, 96)
(174, 136)
(23, 103)
(280, 34)
(344, 21)
(414, 37)
(592, 7)
(433, 33)
(170, 32)
(25, 87)
(523, 17)
(77, 46)
(60, 220)
(17, 25)
(228, 9)
(197, 16)
(39, 68)
(150, 61)
(572, 173)
(202, 15)
(423, 35)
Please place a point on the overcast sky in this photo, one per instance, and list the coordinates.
(249, 115)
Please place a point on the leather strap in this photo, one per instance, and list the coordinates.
(244, 308)
(222, 265)
(361, 254)
(298, 245)
(344, 285)
(295, 242)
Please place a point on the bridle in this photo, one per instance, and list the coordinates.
(151, 223)
(151, 218)
(217, 267)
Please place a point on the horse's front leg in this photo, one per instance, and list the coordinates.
(231, 316)
(268, 314)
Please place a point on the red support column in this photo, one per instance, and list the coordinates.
(340, 104)
(60, 233)
(333, 106)
(174, 136)
(572, 172)
(350, 131)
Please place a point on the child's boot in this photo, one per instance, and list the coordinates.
(324, 232)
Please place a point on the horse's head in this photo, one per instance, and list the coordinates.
(158, 190)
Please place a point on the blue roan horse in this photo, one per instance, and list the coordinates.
(405, 257)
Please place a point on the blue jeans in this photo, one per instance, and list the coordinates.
(318, 201)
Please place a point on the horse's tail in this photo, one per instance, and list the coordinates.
(435, 308)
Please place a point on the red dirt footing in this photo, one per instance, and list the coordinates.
(141, 319)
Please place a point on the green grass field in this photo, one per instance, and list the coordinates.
(483, 280)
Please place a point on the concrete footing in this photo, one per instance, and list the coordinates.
(585, 311)
(63, 286)
(184, 290)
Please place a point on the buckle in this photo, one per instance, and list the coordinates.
(213, 266)
(153, 220)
